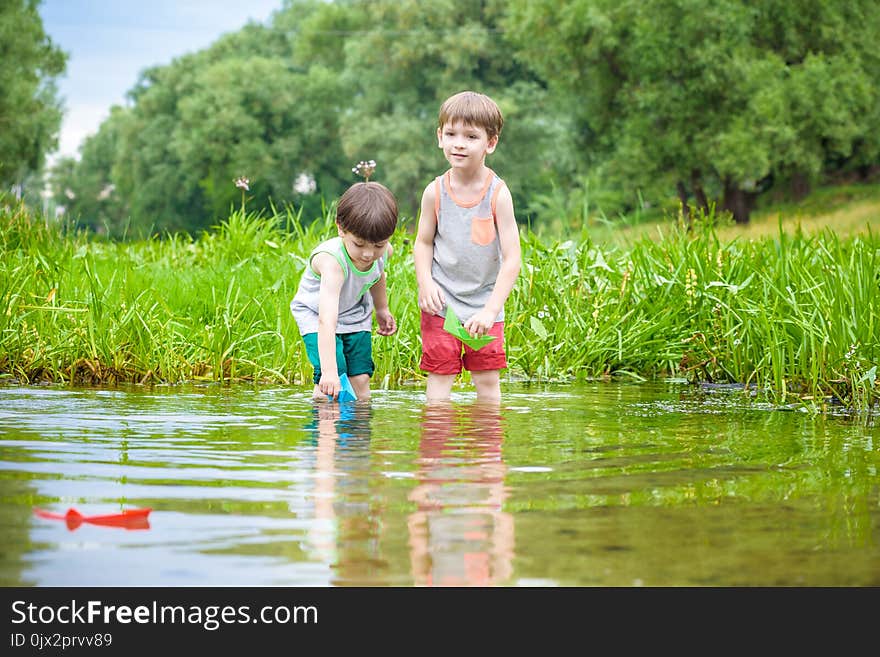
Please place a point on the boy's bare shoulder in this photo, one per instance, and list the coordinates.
(504, 199)
(504, 191)
(324, 264)
(428, 192)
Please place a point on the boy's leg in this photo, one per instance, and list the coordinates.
(441, 358)
(439, 387)
(488, 385)
(485, 365)
(361, 385)
(311, 342)
(358, 351)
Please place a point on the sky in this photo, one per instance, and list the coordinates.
(109, 42)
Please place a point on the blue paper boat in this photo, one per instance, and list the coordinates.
(347, 393)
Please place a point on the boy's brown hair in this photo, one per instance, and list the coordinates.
(472, 108)
(368, 210)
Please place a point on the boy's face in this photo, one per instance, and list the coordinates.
(362, 252)
(465, 146)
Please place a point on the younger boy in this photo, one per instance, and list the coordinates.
(332, 309)
(467, 250)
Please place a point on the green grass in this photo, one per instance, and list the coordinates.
(791, 313)
(845, 209)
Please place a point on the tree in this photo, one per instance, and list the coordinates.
(410, 58)
(30, 111)
(710, 98)
(250, 105)
(86, 190)
(294, 105)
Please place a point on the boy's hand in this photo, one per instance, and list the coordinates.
(480, 323)
(431, 298)
(330, 385)
(386, 323)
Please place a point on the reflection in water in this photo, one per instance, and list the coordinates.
(346, 525)
(608, 485)
(459, 536)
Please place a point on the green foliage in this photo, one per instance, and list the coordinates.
(793, 317)
(709, 99)
(324, 86)
(86, 191)
(411, 58)
(614, 109)
(30, 111)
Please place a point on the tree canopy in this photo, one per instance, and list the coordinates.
(643, 101)
(710, 96)
(30, 110)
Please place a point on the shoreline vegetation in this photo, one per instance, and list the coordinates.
(786, 309)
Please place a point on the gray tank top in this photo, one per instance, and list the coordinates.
(467, 253)
(355, 302)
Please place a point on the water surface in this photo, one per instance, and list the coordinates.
(601, 484)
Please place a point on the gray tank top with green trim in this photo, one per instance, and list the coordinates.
(355, 301)
(467, 253)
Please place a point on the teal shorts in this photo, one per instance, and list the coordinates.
(354, 353)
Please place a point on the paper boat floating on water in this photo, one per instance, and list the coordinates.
(128, 519)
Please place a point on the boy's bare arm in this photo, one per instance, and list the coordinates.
(430, 296)
(511, 251)
(379, 291)
(332, 278)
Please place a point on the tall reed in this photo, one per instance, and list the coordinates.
(794, 317)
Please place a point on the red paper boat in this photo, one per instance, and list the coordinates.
(128, 519)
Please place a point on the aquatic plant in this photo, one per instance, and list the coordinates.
(793, 317)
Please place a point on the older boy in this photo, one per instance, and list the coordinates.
(467, 251)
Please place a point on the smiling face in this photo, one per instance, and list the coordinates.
(363, 253)
(465, 146)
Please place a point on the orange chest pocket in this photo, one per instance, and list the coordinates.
(482, 230)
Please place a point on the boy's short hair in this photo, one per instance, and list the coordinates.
(368, 210)
(472, 108)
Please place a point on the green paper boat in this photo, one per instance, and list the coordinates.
(453, 325)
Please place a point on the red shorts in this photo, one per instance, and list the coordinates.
(442, 351)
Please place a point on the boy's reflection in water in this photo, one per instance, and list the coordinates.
(460, 536)
(344, 536)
